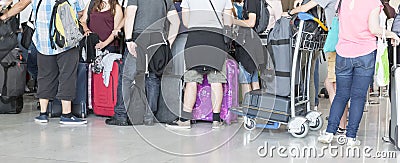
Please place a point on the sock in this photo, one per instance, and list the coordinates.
(69, 115)
(45, 113)
(216, 117)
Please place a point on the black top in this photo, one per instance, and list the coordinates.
(252, 6)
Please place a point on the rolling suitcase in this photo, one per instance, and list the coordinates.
(79, 104)
(105, 98)
(394, 124)
(203, 106)
(12, 83)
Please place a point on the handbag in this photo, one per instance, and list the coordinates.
(382, 70)
(333, 33)
(28, 28)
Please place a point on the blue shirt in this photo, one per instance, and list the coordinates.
(42, 25)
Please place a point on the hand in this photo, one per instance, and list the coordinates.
(285, 14)
(87, 32)
(100, 45)
(297, 3)
(132, 48)
(115, 32)
(395, 41)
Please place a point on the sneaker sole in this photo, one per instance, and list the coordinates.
(73, 123)
(42, 121)
(177, 127)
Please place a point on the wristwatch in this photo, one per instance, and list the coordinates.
(129, 40)
(289, 13)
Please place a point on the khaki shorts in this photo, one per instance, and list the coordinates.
(331, 57)
(212, 77)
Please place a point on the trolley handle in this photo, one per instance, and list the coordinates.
(307, 16)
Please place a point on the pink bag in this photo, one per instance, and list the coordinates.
(203, 106)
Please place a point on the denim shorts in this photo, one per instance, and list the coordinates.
(245, 77)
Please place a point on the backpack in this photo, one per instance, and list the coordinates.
(64, 26)
(263, 16)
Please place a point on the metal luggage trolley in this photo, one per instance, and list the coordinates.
(294, 110)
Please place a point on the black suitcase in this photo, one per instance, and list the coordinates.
(79, 105)
(259, 103)
(12, 83)
(12, 105)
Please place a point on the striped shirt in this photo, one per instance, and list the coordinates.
(41, 35)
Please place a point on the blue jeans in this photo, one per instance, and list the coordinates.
(32, 61)
(153, 86)
(316, 81)
(353, 76)
(119, 109)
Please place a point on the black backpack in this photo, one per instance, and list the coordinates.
(263, 16)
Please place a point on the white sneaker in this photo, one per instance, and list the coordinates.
(326, 138)
(353, 142)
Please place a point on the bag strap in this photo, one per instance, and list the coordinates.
(215, 12)
(339, 6)
(37, 10)
(90, 8)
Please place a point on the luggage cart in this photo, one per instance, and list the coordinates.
(295, 110)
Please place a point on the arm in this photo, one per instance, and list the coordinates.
(374, 27)
(129, 23)
(83, 20)
(117, 19)
(251, 22)
(17, 8)
(185, 17)
(297, 3)
(174, 23)
(304, 8)
(228, 17)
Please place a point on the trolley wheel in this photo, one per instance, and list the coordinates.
(319, 122)
(304, 131)
(249, 124)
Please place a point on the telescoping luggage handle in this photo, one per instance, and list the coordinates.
(395, 55)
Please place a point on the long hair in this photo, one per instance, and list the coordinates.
(99, 5)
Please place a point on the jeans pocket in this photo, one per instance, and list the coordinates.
(340, 62)
(368, 61)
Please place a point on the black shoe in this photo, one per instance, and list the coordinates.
(117, 122)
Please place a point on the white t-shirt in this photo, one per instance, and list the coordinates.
(201, 13)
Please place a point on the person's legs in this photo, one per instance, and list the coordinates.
(120, 117)
(312, 84)
(330, 85)
(216, 79)
(362, 77)
(32, 64)
(344, 79)
(191, 77)
(255, 84)
(153, 85)
(47, 83)
(316, 81)
(67, 78)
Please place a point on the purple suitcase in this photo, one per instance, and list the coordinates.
(203, 106)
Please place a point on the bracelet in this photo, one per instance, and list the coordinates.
(129, 40)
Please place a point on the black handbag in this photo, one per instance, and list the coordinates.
(8, 34)
(28, 29)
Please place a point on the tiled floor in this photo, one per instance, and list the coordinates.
(22, 140)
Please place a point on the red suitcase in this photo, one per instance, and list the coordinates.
(105, 98)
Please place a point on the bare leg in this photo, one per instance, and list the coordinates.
(190, 96)
(331, 88)
(216, 96)
(43, 105)
(245, 88)
(66, 106)
(255, 85)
